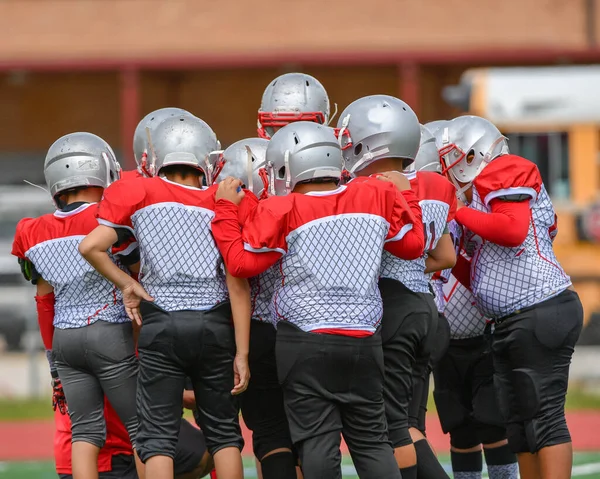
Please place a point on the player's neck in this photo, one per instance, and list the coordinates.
(381, 166)
(308, 187)
(187, 180)
(87, 195)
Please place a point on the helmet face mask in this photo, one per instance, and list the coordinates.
(291, 98)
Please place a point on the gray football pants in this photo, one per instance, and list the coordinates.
(94, 361)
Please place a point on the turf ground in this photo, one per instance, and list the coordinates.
(587, 465)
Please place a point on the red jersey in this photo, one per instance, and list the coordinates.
(131, 174)
(180, 264)
(437, 198)
(117, 441)
(51, 244)
(331, 242)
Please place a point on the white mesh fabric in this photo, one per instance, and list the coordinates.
(262, 288)
(463, 316)
(330, 274)
(82, 295)
(505, 280)
(181, 267)
(412, 273)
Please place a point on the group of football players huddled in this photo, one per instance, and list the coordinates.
(312, 278)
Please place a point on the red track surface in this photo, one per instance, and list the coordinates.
(32, 440)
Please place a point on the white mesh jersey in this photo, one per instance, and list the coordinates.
(462, 314)
(332, 244)
(437, 200)
(181, 267)
(262, 289)
(82, 295)
(504, 279)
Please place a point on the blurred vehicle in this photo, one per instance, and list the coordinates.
(551, 116)
(17, 305)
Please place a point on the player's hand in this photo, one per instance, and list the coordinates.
(241, 374)
(399, 180)
(59, 401)
(230, 189)
(133, 293)
(189, 400)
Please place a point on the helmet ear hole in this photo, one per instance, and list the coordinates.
(470, 157)
(357, 149)
(281, 173)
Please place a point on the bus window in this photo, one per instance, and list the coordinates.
(550, 152)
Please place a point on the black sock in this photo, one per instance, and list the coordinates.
(501, 463)
(428, 466)
(280, 465)
(467, 465)
(409, 472)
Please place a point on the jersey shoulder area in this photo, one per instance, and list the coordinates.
(130, 175)
(127, 191)
(433, 186)
(508, 176)
(33, 231)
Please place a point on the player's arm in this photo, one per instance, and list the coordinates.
(506, 225)
(406, 239)
(94, 249)
(442, 257)
(239, 296)
(240, 260)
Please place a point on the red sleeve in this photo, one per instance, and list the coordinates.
(406, 238)
(20, 243)
(507, 225)
(508, 175)
(433, 186)
(120, 201)
(247, 207)
(45, 312)
(260, 247)
(462, 271)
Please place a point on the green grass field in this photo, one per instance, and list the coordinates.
(586, 466)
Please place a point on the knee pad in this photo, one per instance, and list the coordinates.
(464, 436)
(450, 410)
(528, 395)
(486, 407)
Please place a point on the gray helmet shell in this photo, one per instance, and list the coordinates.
(428, 157)
(243, 160)
(469, 133)
(376, 127)
(434, 126)
(302, 151)
(151, 120)
(184, 140)
(292, 97)
(78, 160)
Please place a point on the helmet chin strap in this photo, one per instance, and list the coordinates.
(367, 157)
(271, 171)
(250, 183)
(288, 174)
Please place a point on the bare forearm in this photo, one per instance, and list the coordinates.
(239, 294)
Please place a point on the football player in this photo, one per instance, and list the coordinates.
(188, 297)
(262, 403)
(292, 97)
(328, 240)
(520, 286)
(80, 313)
(381, 133)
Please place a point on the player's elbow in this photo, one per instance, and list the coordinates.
(86, 248)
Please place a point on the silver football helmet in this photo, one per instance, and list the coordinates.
(428, 158)
(289, 98)
(245, 160)
(184, 140)
(434, 126)
(79, 160)
(376, 127)
(466, 145)
(302, 151)
(140, 137)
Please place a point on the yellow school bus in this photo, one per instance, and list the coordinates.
(551, 116)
